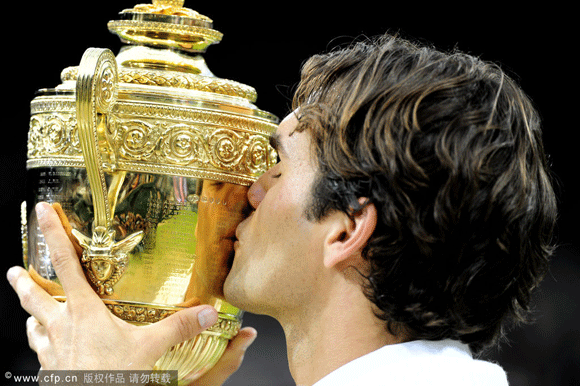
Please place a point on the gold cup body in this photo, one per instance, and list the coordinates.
(150, 158)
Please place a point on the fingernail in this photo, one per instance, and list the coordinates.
(207, 317)
(11, 275)
(41, 209)
(250, 340)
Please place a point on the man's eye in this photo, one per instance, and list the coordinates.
(276, 170)
(213, 184)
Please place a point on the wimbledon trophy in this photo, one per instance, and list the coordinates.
(149, 156)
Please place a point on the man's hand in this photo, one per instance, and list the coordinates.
(82, 334)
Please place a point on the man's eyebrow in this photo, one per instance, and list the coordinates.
(277, 144)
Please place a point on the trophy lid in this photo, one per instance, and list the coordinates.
(166, 23)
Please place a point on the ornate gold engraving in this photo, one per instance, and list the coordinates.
(226, 327)
(139, 313)
(176, 80)
(150, 144)
(104, 259)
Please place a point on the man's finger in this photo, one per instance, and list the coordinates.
(36, 333)
(179, 327)
(231, 361)
(33, 298)
(63, 255)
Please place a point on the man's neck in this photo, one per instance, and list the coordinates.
(338, 330)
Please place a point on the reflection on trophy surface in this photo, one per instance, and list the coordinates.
(221, 208)
(148, 157)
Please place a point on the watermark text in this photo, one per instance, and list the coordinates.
(92, 378)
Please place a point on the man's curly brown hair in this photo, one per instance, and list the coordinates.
(448, 149)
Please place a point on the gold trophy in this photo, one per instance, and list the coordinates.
(150, 156)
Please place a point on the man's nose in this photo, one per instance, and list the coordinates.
(257, 192)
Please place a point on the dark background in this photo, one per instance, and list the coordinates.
(264, 46)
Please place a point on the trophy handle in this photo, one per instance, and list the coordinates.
(103, 259)
(96, 92)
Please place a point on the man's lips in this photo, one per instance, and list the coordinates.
(239, 228)
(236, 240)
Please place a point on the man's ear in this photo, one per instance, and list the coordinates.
(347, 237)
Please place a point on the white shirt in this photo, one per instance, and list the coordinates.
(437, 363)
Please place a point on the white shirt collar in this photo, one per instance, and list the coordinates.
(390, 355)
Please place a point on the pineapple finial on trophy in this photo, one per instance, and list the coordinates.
(173, 3)
(170, 7)
(167, 24)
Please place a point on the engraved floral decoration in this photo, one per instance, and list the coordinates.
(107, 85)
(157, 142)
(137, 140)
(53, 134)
(143, 314)
(106, 88)
(173, 79)
(260, 155)
(194, 145)
(139, 314)
(227, 148)
(182, 145)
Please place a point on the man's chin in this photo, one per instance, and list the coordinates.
(228, 292)
(232, 292)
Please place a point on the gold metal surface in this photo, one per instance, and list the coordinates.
(189, 81)
(166, 24)
(150, 157)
